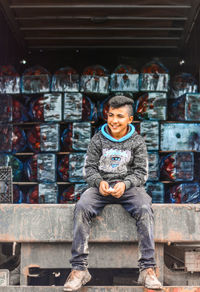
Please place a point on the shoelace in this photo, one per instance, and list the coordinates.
(71, 275)
(150, 272)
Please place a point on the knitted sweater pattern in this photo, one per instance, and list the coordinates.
(114, 160)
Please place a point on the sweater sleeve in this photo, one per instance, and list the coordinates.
(139, 167)
(91, 171)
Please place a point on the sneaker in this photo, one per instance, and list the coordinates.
(76, 280)
(148, 279)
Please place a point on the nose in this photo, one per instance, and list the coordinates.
(115, 120)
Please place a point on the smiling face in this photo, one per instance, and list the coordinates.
(118, 120)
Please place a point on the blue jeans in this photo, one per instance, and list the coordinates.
(136, 201)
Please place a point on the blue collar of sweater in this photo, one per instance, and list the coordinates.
(127, 136)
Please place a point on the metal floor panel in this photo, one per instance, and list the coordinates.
(98, 289)
(53, 223)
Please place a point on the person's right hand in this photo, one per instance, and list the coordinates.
(103, 188)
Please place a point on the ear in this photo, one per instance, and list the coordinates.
(130, 119)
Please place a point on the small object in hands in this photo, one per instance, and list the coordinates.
(110, 189)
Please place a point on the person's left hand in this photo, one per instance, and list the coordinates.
(119, 190)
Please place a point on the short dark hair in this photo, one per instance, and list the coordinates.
(121, 100)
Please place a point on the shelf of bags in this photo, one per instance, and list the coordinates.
(177, 182)
(93, 122)
(68, 152)
(180, 122)
(64, 183)
(170, 182)
(171, 151)
(46, 122)
(24, 123)
(168, 122)
(24, 183)
(32, 153)
(24, 153)
(36, 183)
(68, 122)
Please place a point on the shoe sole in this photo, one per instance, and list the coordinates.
(85, 280)
(150, 287)
(154, 288)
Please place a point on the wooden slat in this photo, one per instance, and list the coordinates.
(103, 34)
(104, 18)
(103, 2)
(96, 6)
(101, 12)
(102, 43)
(103, 38)
(155, 49)
(73, 30)
(109, 23)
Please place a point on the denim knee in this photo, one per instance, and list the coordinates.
(83, 210)
(144, 210)
(80, 206)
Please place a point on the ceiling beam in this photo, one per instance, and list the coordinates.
(101, 14)
(115, 42)
(103, 6)
(101, 47)
(36, 18)
(90, 24)
(99, 34)
(103, 2)
(100, 38)
(67, 28)
(12, 24)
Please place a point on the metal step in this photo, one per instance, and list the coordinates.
(98, 289)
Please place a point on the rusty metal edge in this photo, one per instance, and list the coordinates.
(99, 288)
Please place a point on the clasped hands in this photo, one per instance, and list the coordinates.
(117, 191)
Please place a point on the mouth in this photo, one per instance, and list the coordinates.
(114, 127)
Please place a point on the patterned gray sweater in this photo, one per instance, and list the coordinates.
(114, 160)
